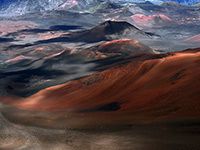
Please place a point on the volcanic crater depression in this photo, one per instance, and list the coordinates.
(90, 74)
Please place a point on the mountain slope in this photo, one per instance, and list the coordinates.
(102, 6)
(124, 46)
(153, 20)
(28, 73)
(26, 6)
(195, 39)
(144, 87)
(110, 30)
(29, 6)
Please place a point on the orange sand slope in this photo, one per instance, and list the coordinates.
(164, 86)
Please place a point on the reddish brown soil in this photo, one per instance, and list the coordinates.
(164, 86)
(124, 46)
(159, 19)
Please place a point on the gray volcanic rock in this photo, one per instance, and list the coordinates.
(25, 6)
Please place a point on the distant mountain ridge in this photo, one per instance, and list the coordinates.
(29, 6)
(24, 6)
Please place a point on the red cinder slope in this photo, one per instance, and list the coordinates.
(124, 46)
(154, 20)
(161, 87)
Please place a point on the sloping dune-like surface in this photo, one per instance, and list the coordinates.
(162, 87)
(18, 58)
(195, 39)
(154, 20)
(124, 46)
